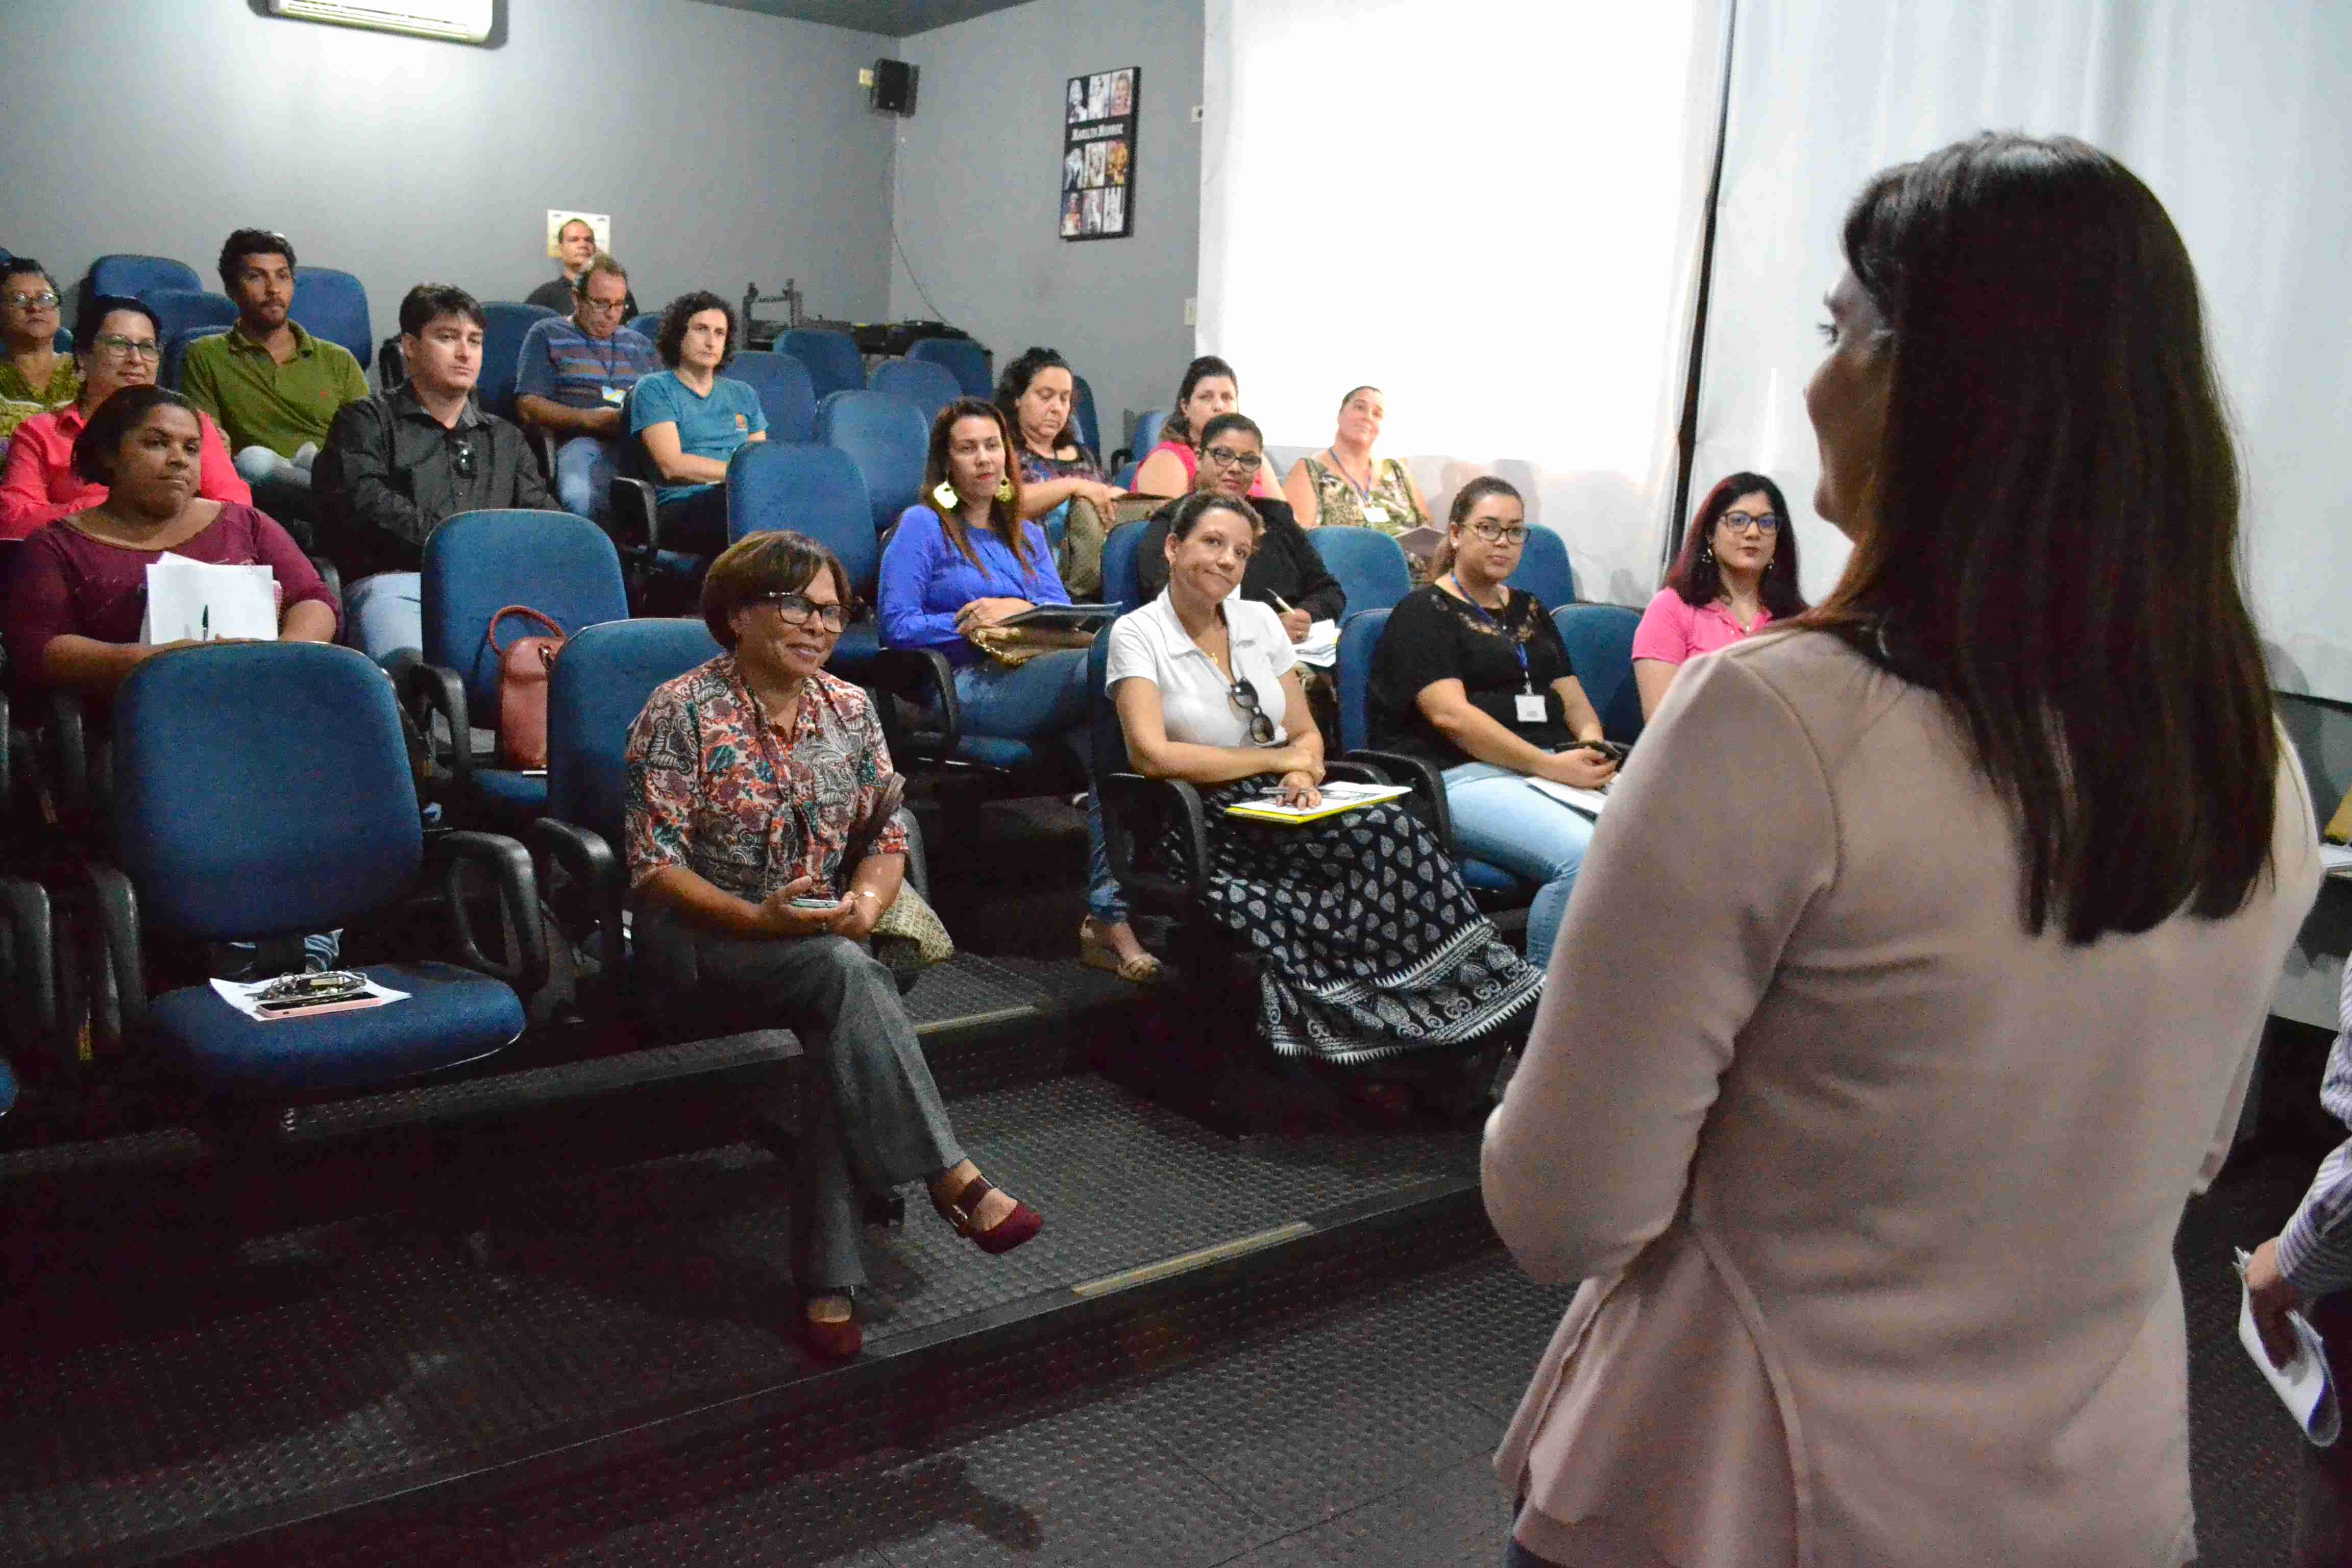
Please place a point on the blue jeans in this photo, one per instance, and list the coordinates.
(1498, 819)
(583, 477)
(384, 617)
(1045, 698)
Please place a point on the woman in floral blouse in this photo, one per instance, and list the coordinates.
(749, 778)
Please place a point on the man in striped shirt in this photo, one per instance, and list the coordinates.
(572, 378)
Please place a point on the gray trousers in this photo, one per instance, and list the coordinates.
(870, 1115)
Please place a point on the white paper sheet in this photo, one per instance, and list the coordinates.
(1588, 801)
(2302, 1384)
(199, 601)
(246, 999)
(2337, 858)
(1321, 648)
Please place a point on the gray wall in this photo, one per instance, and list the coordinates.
(402, 159)
(979, 178)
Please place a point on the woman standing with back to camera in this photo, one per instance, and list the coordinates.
(1933, 938)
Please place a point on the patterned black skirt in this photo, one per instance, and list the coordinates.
(1369, 944)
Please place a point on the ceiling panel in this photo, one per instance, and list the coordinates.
(893, 19)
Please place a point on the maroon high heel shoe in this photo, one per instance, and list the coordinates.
(1003, 1236)
(831, 1341)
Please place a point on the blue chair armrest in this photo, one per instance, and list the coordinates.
(636, 520)
(924, 677)
(1134, 808)
(430, 690)
(509, 864)
(586, 859)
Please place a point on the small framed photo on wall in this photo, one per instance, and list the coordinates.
(1096, 188)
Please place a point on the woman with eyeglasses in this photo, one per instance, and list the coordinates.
(1348, 485)
(119, 345)
(763, 844)
(1736, 575)
(1471, 676)
(1209, 389)
(1373, 955)
(35, 378)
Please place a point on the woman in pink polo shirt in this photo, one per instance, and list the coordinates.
(1737, 574)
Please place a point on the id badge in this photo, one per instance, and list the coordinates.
(1530, 707)
(1375, 513)
(615, 395)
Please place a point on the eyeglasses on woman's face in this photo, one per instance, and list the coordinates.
(1739, 522)
(21, 301)
(799, 609)
(1226, 457)
(1499, 533)
(114, 345)
(1244, 695)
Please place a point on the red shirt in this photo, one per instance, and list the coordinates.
(40, 485)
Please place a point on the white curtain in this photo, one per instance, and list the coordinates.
(2239, 118)
(1492, 210)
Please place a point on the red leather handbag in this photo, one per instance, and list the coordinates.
(524, 667)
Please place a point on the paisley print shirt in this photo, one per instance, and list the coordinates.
(715, 788)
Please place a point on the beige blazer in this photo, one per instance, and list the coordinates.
(1872, 1194)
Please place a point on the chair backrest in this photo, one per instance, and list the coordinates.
(505, 323)
(1081, 415)
(1600, 641)
(1544, 570)
(1120, 583)
(649, 324)
(1369, 564)
(175, 350)
(263, 789)
(477, 562)
(598, 688)
(1147, 430)
(964, 359)
(787, 394)
(814, 490)
(1125, 478)
(1360, 638)
(888, 439)
(332, 305)
(1106, 737)
(134, 275)
(830, 357)
(177, 310)
(929, 387)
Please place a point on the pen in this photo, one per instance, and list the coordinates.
(1279, 602)
(204, 627)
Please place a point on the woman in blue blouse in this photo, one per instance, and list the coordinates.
(964, 560)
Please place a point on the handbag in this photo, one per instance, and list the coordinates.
(525, 667)
(1014, 646)
(908, 937)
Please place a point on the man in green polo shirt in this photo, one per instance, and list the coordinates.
(273, 387)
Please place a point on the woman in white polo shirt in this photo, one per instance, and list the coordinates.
(1371, 951)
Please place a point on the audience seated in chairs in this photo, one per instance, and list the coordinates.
(1470, 674)
(960, 565)
(572, 379)
(78, 591)
(1736, 575)
(576, 243)
(1373, 954)
(1209, 389)
(1350, 485)
(117, 346)
(1036, 395)
(35, 378)
(399, 464)
(762, 848)
(691, 419)
(273, 386)
(1285, 572)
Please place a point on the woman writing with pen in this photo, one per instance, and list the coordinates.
(1471, 673)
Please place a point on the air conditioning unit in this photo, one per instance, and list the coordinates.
(459, 21)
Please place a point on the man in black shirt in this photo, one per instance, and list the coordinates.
(398, 464)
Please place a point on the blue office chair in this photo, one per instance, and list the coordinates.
(1600, 641)
(175, 350)
(817, 491)
(1369, 564)
(177, 310)
(887, 439)
(964, 359)
(1360, 638)
(1121, 584)
(787, 394)
(505, 323)
(649, 325)
(334, 305)
(477, 563)
(264, 791)
(830, 357)
(134, 275)
(1146, 432)
(928, 386)
(1125, 478)
(1081, 415)
(1544, 570)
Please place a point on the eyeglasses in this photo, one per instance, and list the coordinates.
(1225, 457)
(799, 609)
(593, 303)
(39, 301)
(1244, 695)
(1738, 522)
(121, 347)
(1496, 533)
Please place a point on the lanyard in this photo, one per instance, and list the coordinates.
(1526, 676)
(611, 356)
(1363, 493)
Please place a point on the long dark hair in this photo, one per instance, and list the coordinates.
(669, 338)
(2054, 547)
(1003, 515)
(1014, 385)
(1695, 574)
(1177, 427)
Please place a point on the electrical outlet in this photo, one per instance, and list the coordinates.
(865, 76)
(1199, 112)
(1191, 312)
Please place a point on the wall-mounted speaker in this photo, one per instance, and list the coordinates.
(894, 86)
